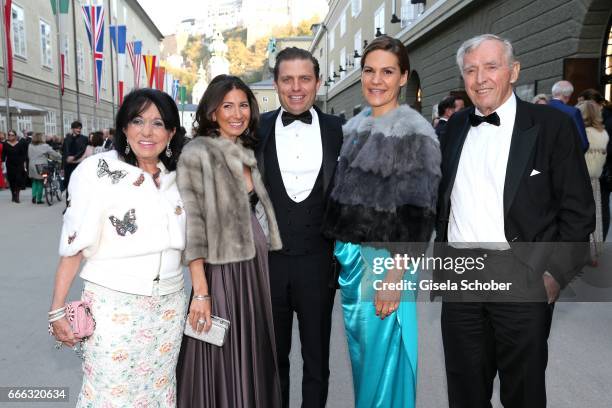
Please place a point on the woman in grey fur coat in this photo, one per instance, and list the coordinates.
(384, 191)
(230, 228)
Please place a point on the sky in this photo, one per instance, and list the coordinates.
(167, 14)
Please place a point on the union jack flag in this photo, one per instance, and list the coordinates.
(94, 22)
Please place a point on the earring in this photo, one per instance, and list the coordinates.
(127, 149)
(246, 132)
(168, 151)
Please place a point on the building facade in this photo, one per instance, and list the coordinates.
(553, 40)
(35, 64)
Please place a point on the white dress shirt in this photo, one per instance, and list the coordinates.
(477, 199)
(300, 155)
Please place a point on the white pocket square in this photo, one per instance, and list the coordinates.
(534, 172)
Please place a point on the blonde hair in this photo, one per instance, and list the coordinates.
(591, 114)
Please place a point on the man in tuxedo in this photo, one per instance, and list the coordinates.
(446, 108)
(109, 137)
(297, 155)
(73, 149)
(516, 192)
(561, 94)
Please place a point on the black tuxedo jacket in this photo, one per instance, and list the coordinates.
(547, 216)
(331, 137)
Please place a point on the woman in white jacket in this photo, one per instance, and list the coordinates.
(125, 218)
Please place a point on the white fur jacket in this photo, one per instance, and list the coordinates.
(211, 182)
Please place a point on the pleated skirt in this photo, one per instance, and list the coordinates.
(243, 372)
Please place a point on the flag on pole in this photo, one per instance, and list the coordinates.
(150, 65)
(160, 78)
(183, 92)
(9, 44)
(135, 51)
(64, 7)
(175, 89)
(168, 82)
(119, 35)
(94, 22)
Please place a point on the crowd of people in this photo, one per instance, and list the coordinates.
(25, 157)
(272, 213)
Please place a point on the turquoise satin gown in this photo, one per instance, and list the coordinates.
(383, 352)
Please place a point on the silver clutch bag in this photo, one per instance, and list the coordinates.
(216, 334)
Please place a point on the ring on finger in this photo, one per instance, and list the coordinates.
(201, 321)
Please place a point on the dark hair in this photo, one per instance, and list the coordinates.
(592, 95)
(76, 125)
(111, 131)
(133, 105)
(97, 139)
(446, 103)
(293, 53)
(394, 46)
(220, 86)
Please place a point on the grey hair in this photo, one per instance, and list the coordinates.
(474, 42)
(562, 88)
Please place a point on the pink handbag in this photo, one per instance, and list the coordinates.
(81, 320)
(79, 315)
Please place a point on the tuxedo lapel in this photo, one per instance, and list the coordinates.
(266, 127)
(327, 144)
(524, 136)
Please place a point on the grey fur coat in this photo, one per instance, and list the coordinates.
(386, 182)
(211, 182)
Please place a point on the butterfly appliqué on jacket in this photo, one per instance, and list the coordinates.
(115, 175)
(127, 225)
(139, 180)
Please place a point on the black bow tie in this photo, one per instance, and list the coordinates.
(476, 120)
(289, 118)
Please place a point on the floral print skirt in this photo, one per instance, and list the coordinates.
(130, 360)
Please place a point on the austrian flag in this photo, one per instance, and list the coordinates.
(94, 22)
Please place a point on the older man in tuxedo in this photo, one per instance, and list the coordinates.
(515, 190)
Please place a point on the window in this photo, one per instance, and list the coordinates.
(332, 35)
(45, 44)
(355, 7)
(357, 45)
(2, 122)
(66, 52)
(343, 23)
(332, 69)
(67, 122)
(51, 123)
(85, 129)
(80, 61)
(343, 62)
(19, 34)
(379, 19)
(409, 13)
(24, 123)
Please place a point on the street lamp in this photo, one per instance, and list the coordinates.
(378, 32)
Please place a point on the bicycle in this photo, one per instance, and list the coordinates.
(52, 182)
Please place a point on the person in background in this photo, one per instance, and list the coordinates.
(38, 154)
(561, 94)
(97, 142)
(540, 99)
(108, 136)
(446, 108)
(15, 154)
(133, 277)
(3, 184)
(73, 149)
(459, 103)
(595, 159)
(435, 118)
(606, 175)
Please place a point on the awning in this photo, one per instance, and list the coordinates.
(21, 108)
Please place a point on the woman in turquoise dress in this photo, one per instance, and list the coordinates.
(382, 204)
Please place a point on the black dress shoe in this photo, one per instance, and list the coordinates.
(33, 200)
